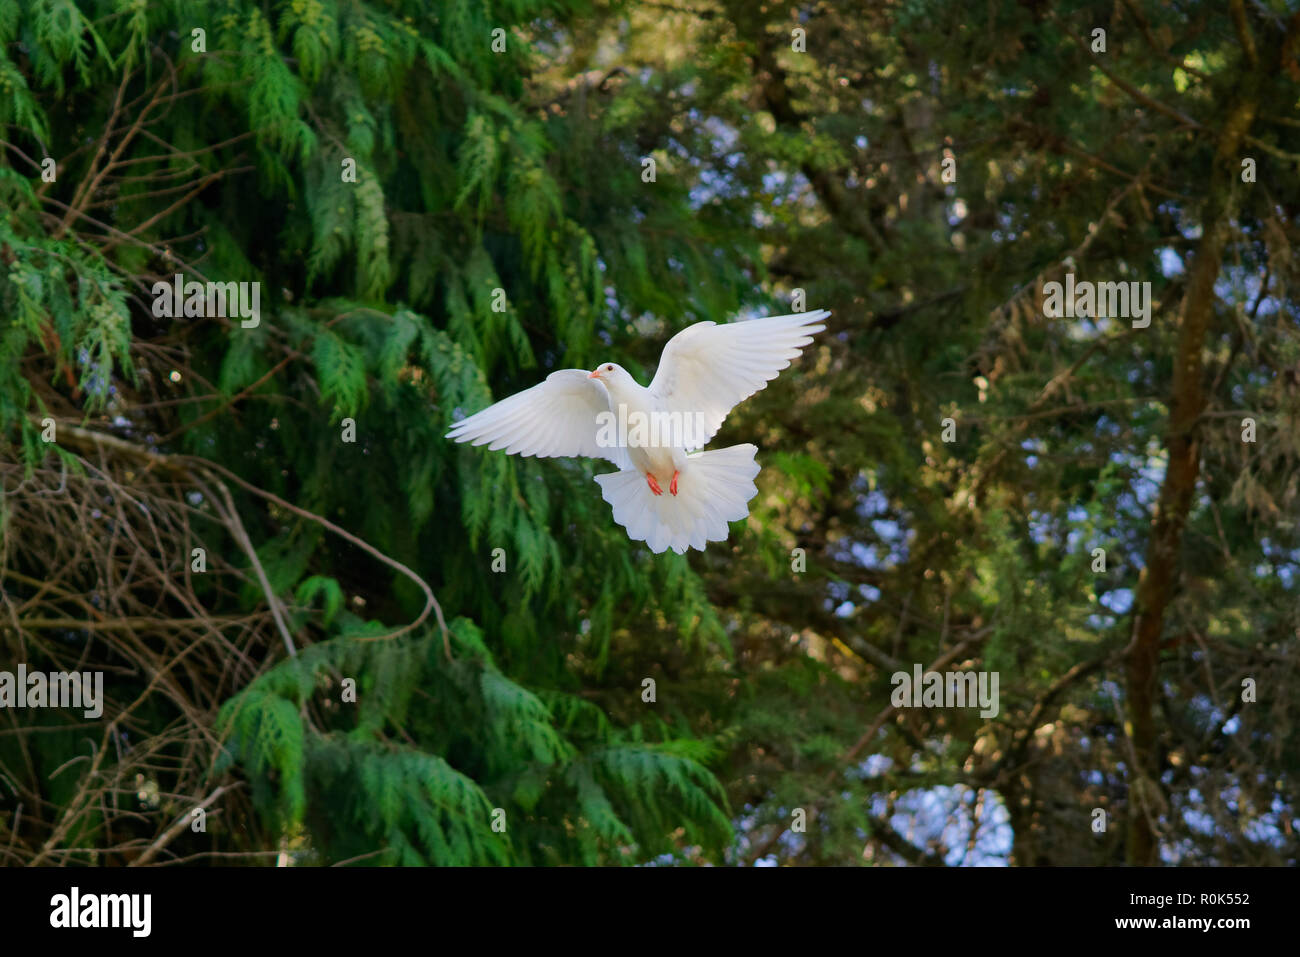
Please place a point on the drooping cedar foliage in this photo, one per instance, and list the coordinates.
(380, 170)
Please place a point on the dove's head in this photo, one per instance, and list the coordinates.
(613, 375)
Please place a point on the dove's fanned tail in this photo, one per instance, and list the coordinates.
(713, 489)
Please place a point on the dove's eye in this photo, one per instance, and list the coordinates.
(609, 368)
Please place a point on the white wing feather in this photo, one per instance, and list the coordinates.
(553, 418)
(710, 369)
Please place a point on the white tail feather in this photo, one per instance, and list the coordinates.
(713, 489)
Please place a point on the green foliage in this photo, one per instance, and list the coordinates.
(379, 303)
(499, 228)
(563, 777)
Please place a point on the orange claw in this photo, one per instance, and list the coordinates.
(654, 484)
(672, 487)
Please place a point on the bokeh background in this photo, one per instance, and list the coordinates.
(920, 167)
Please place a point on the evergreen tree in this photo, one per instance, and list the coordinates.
(347, 639)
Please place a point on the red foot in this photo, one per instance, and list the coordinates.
(672, 486)
(654, 484)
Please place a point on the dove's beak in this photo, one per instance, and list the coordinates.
(594, 374)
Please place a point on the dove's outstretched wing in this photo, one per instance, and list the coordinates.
(709, 369)
(557, 417)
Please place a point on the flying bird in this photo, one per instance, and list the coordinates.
(666, 492)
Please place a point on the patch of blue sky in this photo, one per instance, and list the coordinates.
(874, 765)
(1198, 821)
(1033, 447)
(865, 556)
(1105, 425)
(886, 528)
(945, 815)
(1140, 372)
(1205, 710)
(1266, 831)
(1150, 475)
(710, 186)
(870, 503)
(1041, 527)
(776, 182)
(1171, 264)
(1087, 328)
(1118, 600)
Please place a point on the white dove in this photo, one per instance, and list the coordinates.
(653, 434)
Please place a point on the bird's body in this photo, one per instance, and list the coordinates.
(653, 451)
(666, 493)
